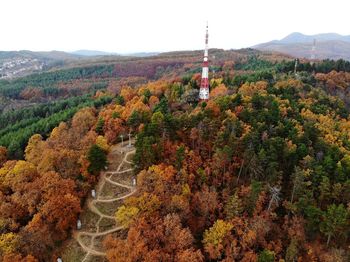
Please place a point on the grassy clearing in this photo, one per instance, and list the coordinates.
(72, 252)
(89, 220)
(108, 208)
(96, 259)
(107, 224)
(120, 234)
(129, 158)
(125, 166)
(114, 159)
(112, 191)
(125, 178)
(86, 240)
(99, 242)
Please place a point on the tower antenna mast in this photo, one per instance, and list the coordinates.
(204, 89)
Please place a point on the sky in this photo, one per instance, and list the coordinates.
(127, 26)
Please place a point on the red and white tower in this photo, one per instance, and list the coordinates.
(204, 89)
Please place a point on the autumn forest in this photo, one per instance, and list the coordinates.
(259, 172)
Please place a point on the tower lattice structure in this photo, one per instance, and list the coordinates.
(204, 89)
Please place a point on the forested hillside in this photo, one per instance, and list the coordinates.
(258, 173)
(51, 97)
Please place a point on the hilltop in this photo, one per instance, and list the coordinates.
(14, 64)
(259, 172)
(328, 46)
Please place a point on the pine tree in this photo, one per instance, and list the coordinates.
(97, 158)
(99, 126)
(335, 221)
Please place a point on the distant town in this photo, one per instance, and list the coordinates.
(19, 66)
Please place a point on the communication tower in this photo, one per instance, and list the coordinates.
(204, 89)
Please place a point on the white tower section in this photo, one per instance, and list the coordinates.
(204, 89)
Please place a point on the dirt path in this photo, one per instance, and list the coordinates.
(106, 178)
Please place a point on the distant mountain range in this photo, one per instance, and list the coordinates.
(84, 52)
(330, 45)
(20, 63)
(102, 53)
(50, 55)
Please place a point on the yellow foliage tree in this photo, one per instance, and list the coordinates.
(146, 203)
(289, 83)
(214, 236)
(102, 143)
(126, 215)
(249, 89)
(8, 243)
(220, 90)
(157, 88)
(127, 93)
(34, 149)
(83, 120)
(20, 175)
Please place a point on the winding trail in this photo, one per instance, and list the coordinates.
(106, 177)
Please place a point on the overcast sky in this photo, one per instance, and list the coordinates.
(161, 25)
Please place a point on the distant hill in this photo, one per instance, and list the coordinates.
(330, 45)
(85, 52)
(301, 38)
(50, 55)
(15, 64)
(143, 54)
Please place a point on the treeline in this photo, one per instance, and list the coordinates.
(41, 120)
(39, 111)
(254, 63)
(266, 70)
(47, 80)
(324, 66)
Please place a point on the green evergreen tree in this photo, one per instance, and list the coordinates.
(180, 156)
(97, 158)
(266, 256)
(335, 221)
(120, 100)
(99, 126)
